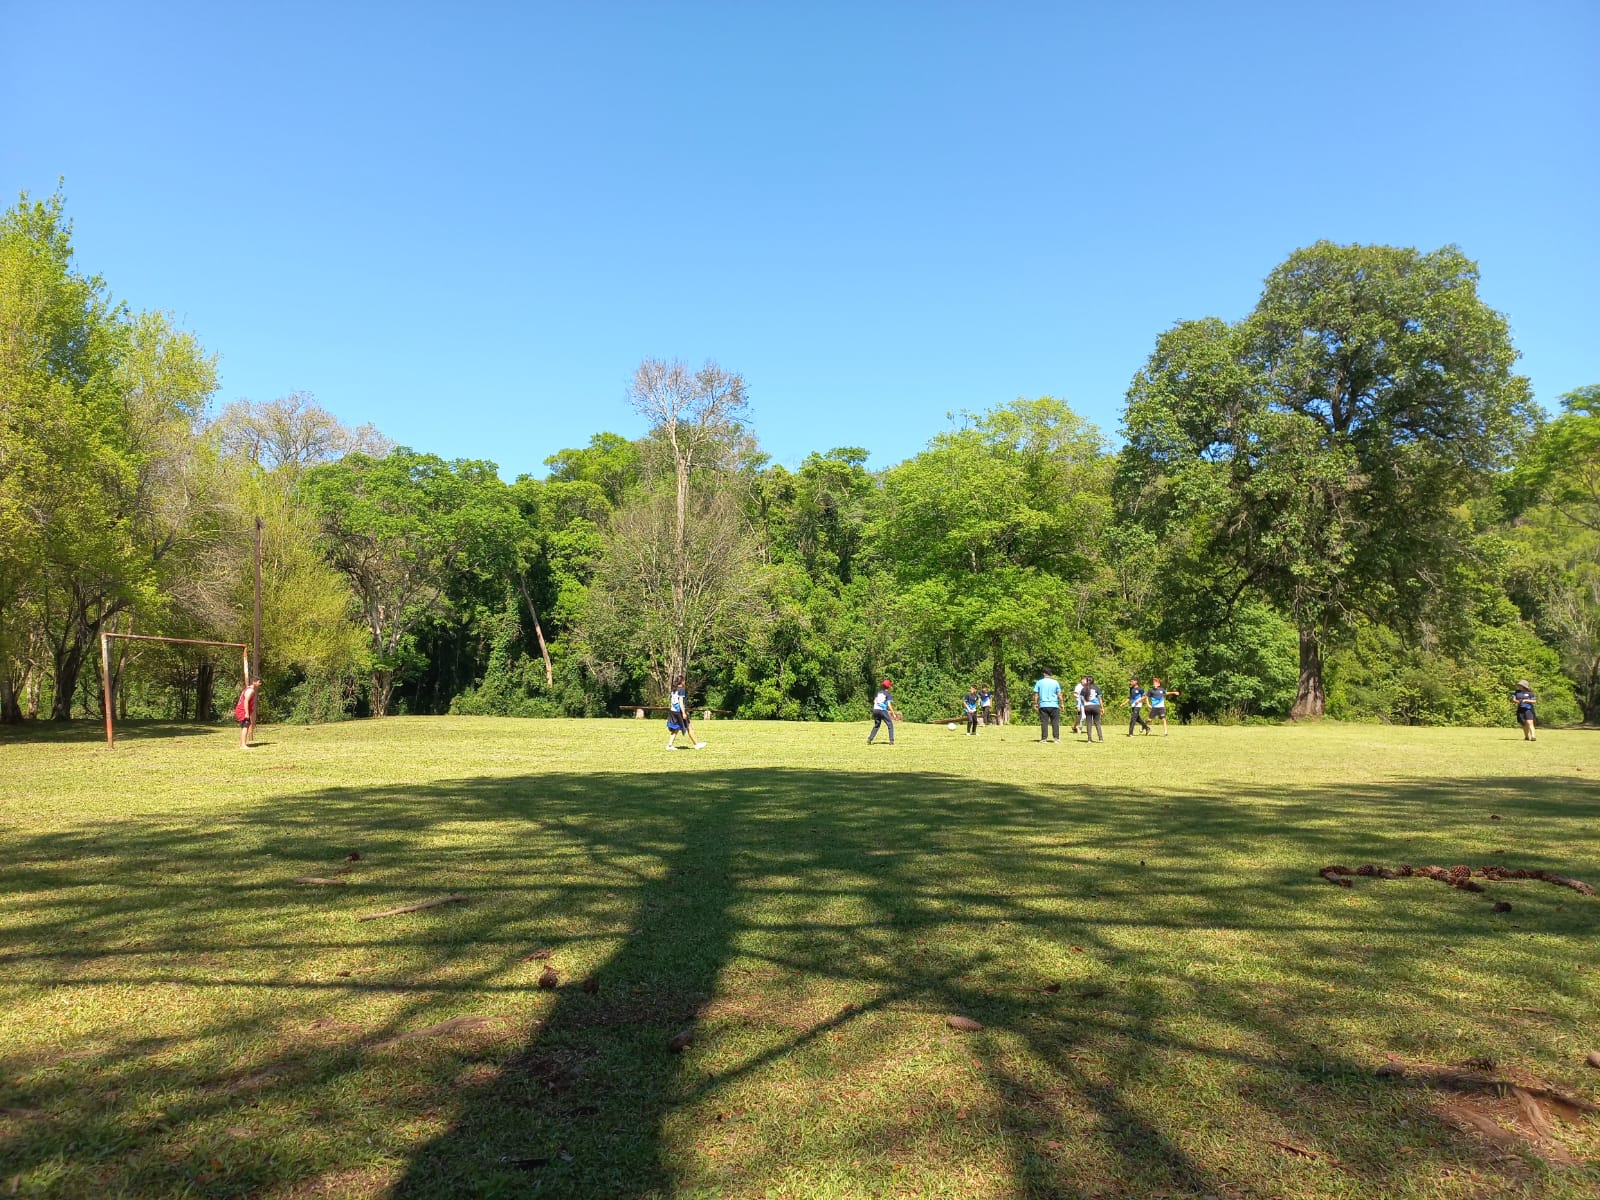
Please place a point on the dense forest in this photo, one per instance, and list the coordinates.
(1345, 503)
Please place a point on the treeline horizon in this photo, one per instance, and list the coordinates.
(1344, 504)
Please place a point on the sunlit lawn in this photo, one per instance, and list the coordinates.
(1174, 1002)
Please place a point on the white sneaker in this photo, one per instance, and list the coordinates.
(699, 745)
(670, 746)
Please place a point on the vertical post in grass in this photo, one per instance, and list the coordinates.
(105, 684)
(255, 640)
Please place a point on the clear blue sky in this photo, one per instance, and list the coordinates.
(467, 223)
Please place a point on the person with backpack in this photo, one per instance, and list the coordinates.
(244, 712)
(883, 713)
(678, 718)
(1091, 710)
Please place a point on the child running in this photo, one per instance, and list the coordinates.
(883, 711)
(1091, 710)
(1158, 703)
(1136, 698)
(1524, 699)
(678, 719)
(971, 702)
(244, 712)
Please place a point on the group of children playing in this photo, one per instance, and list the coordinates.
(1090, 705)
(978, 704)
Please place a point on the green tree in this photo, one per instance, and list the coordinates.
(1319, 450)
(401, 528)
(99, 409)
(994, 532)
(678, 565)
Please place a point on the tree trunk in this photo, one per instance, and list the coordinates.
(1002, 692)
(1309, 701)
(382, 690)
(67, 667)
(538, 632)
(10, 710)
(205, 707)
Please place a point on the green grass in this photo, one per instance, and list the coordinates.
(179, 1018)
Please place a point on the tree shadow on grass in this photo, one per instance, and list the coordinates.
(813, 931)
(77, 731)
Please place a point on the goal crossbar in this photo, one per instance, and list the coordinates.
(105, 664)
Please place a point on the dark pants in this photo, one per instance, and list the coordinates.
(879, 717)
(972, 722)
(1049, 723)
(1091, 725)
(1137, 718)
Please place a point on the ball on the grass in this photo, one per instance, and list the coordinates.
(951, 726)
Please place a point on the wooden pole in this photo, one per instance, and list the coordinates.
(255, 641)
(105, 678)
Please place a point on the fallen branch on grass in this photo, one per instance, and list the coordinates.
(411, 908)
(321, 880)
(1457, 877)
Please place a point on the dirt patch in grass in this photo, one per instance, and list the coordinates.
(1503, 1106)
(355, 1184)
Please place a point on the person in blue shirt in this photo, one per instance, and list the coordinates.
(1136, 698)
(986, 702)
(1157, 696)
(678, 718)
(1091, 710)
(971, 702)
(1524, 699)
(1047, 695)
(883, 713)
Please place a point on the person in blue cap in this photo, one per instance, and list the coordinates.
(1047, 696)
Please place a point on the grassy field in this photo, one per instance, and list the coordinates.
(1174, 1003)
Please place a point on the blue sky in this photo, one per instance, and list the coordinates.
(467, 224)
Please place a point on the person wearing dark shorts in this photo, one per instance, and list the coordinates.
(1091, 711)
(1158, 703)
(970, 702)
(1524, 699)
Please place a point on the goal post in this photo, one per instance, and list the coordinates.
(105, 665)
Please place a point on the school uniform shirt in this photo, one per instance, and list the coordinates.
(1091, 698)
(880, 702)
(1134, 696)
(1049, 693)
(679, 700)
(1158, 699)
(986, 698)
(970, 703)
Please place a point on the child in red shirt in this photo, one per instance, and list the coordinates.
(244, 712)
